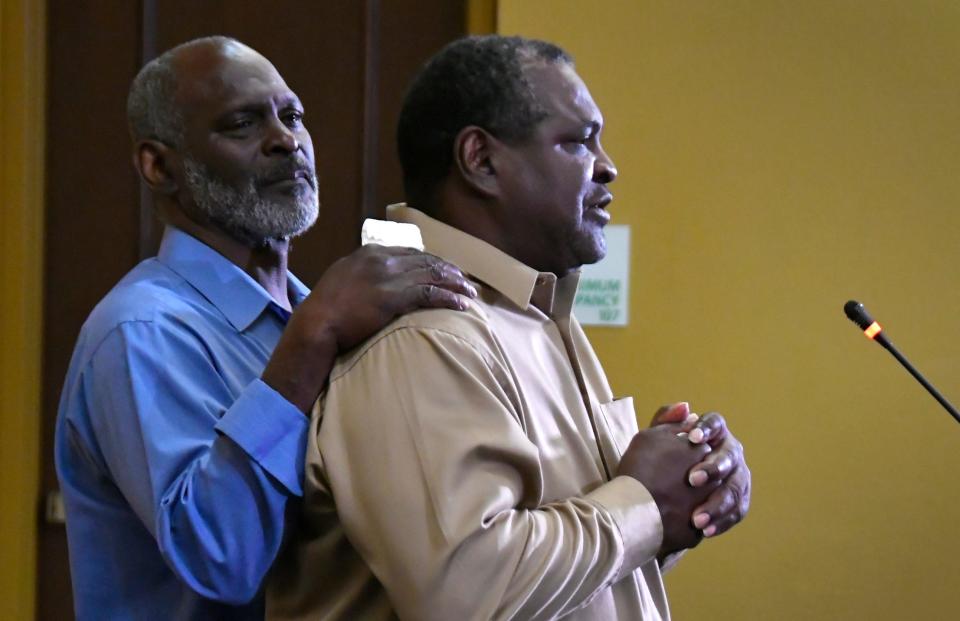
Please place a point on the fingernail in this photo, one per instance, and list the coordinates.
(472, 290)
(710, 531)
(690, 419)
(696, 435)
(698, 478)
(682, 405)
(464, 303)
(702, 519)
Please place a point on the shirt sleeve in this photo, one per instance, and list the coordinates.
(438, 488)
(208, 473)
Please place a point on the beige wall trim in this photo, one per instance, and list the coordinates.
(22, 105)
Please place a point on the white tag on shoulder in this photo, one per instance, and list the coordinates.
(388, 233)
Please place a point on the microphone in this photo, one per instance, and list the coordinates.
(859, 315)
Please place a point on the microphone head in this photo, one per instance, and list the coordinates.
(858, 314)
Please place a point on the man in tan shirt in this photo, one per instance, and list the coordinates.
(476, 465)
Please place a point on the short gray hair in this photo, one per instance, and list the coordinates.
(152, 109)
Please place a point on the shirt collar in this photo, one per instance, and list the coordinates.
(519, 283)
(231, 290)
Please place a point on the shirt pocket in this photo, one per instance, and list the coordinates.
(616, 426)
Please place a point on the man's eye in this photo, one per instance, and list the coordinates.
(240, 124)
(293, 119)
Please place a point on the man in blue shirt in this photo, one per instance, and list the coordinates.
(181, 432)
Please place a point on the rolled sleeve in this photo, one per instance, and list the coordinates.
(214, 502)
(277, 442)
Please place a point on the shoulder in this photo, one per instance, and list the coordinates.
(465, 331)
(150, 296)
(470, 325)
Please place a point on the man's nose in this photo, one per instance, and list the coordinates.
(604, 170)
(279, 138)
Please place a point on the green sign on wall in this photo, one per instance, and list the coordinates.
(604, 287)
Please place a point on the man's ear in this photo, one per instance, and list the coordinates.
(473, 151)
(155, 161)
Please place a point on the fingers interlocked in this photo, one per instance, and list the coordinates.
(723, 466)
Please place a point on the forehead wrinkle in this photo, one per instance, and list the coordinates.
(221, 72)
(563, 94)
(582, 101)
(251, 93)
(250, 105)
(238, 84)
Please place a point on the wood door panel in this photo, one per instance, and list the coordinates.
(400, 57)
(92, 208)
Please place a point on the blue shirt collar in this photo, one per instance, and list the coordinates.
(235, 294)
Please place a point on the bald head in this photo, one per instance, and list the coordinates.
(155, 102)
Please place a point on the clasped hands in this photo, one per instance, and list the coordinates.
(695, 470)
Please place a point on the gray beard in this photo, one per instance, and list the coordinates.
(243, 213)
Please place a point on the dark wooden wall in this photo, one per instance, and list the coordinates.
(348, 60)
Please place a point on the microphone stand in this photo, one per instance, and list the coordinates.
(858, 314)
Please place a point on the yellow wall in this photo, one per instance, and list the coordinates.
(776, 159)
(22, 74)
(481, 16)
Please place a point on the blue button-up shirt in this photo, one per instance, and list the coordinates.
(175, 460)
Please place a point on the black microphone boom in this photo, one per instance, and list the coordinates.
(859, 315)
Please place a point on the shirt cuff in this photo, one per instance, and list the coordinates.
(637, 517)
(271, 430)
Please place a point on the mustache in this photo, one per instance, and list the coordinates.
(296, 166)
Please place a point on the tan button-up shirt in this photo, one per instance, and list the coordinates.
(461, 466)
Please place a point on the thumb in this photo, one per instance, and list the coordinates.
(673, 413)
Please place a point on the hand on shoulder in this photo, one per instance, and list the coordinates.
(360, 294)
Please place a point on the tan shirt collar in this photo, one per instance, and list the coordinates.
(519, 283)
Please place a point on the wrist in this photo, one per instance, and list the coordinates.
(300, 365)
